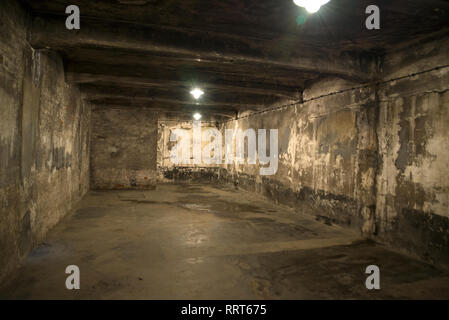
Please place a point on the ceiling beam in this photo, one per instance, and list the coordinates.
(164, 107)
(187, 77)
(141, 61)
(147, 82)
(212, 98)
(176, 115)
(124, 100)
(49, 32)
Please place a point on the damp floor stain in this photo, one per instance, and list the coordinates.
(203, 242)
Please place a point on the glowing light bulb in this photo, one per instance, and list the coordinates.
(196, 93)
(311, 6)
(197, 116)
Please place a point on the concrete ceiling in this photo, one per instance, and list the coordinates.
(245, 55)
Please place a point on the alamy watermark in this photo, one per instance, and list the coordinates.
(73, 280)
(373, 280)
(372, 22)
(230, 150)
(73, 20)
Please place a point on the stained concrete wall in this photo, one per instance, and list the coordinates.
(327, 154)
(412, 209)
(167, 170)
(124, 148)
(44, 140)
(373, 158)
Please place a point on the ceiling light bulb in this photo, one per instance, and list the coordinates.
(196, 93)
(197, 116)
(311, 6)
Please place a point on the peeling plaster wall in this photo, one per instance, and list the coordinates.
(375, 159)
(124, 148)
(167, 170)
(327, 154)
(412, 209)
(44, 140)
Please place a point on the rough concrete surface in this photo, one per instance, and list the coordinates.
(191, 241)
(167, 170)
(123, 148)
(44, 140)
(325, 150)
(412, 207)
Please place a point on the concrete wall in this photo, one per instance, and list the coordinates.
(44, 140)
(327, 154)
(374, 158)
(412, 209)
(167, 170)
(124, 148)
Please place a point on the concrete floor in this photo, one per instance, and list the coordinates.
(204, 242)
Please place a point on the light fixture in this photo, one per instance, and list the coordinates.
(311, 6)
(196, 93)
(197, 116)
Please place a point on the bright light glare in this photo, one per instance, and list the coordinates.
(197, 116)
(196, 93)
(311, 6)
